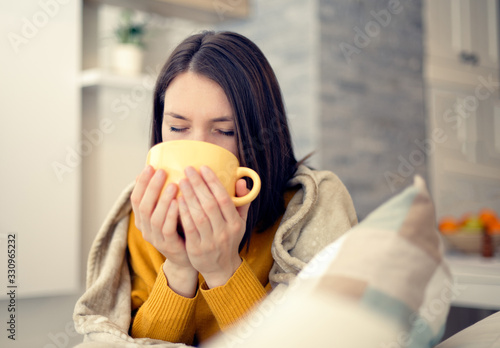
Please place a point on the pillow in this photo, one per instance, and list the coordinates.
(483, 334)
(382, 284)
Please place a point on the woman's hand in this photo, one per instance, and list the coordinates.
(213, 226)
(156, 216)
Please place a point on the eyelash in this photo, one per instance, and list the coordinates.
(225, 133)
(179, 130)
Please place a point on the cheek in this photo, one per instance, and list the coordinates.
(228, 143)
(164, 133)
(233, 147)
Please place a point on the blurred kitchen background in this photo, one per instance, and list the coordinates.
(379, 90)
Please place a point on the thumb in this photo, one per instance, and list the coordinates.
(241, 190)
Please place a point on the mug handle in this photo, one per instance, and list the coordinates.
(250, 196)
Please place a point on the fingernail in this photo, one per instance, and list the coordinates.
(160, 174)
(190, 171)
(148, 170)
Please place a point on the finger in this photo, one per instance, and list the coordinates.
(139, 190)
(206, 199)
(160, 212)
(242, 190)
(223, 199)
(142, 182)
(190, 232)
(150, 198)
(169, 230)
(197, 213)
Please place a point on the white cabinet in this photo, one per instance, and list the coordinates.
(464, 162)
(469, 125)
(463, 105)
(490, 129)
(40, 145)
(462, 32)
(477, 281)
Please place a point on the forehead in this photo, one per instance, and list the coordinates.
(193, 96)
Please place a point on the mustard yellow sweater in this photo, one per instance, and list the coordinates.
(161, 313)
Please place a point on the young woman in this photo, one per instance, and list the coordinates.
(218, 88)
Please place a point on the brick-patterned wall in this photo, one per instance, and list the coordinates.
(355, 99)
(285, 30)
(371, 96)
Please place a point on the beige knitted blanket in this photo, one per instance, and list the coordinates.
(319, 213)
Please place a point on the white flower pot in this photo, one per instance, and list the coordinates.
(127, 59)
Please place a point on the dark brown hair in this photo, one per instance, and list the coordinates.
(264, 143)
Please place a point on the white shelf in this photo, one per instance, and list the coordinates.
(205, 11)
(477, 279)
(102, 78)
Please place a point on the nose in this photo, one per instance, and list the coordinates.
(199, 136)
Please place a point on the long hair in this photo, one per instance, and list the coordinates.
(239, 67)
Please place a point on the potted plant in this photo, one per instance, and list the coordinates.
(128, 53)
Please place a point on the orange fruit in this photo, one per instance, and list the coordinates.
(448, 225)
(494, 228)
(488, 216)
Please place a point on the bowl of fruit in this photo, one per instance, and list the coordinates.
(472, 233)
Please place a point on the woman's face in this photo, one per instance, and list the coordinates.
(196, 108)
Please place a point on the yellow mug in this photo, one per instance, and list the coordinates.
(175, 155)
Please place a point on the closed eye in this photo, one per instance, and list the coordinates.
(179, 130)
(229, 133)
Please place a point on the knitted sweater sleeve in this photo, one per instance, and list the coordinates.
(157, 311)
(160, 313)
(168, 316)
(164, 315)
(233, 300)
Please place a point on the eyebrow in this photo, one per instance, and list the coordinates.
(213, 120)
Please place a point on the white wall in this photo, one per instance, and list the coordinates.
(40, 108)
(40, 203)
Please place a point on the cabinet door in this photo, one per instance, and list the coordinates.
(464, 159)
(469, 122)
(441, 31)
(453, 113)
(463, 32)
(484, 31)
(489, 131)
(40, 146)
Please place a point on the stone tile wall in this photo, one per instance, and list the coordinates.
(351, 75)
(371, 96)
(285, 30)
